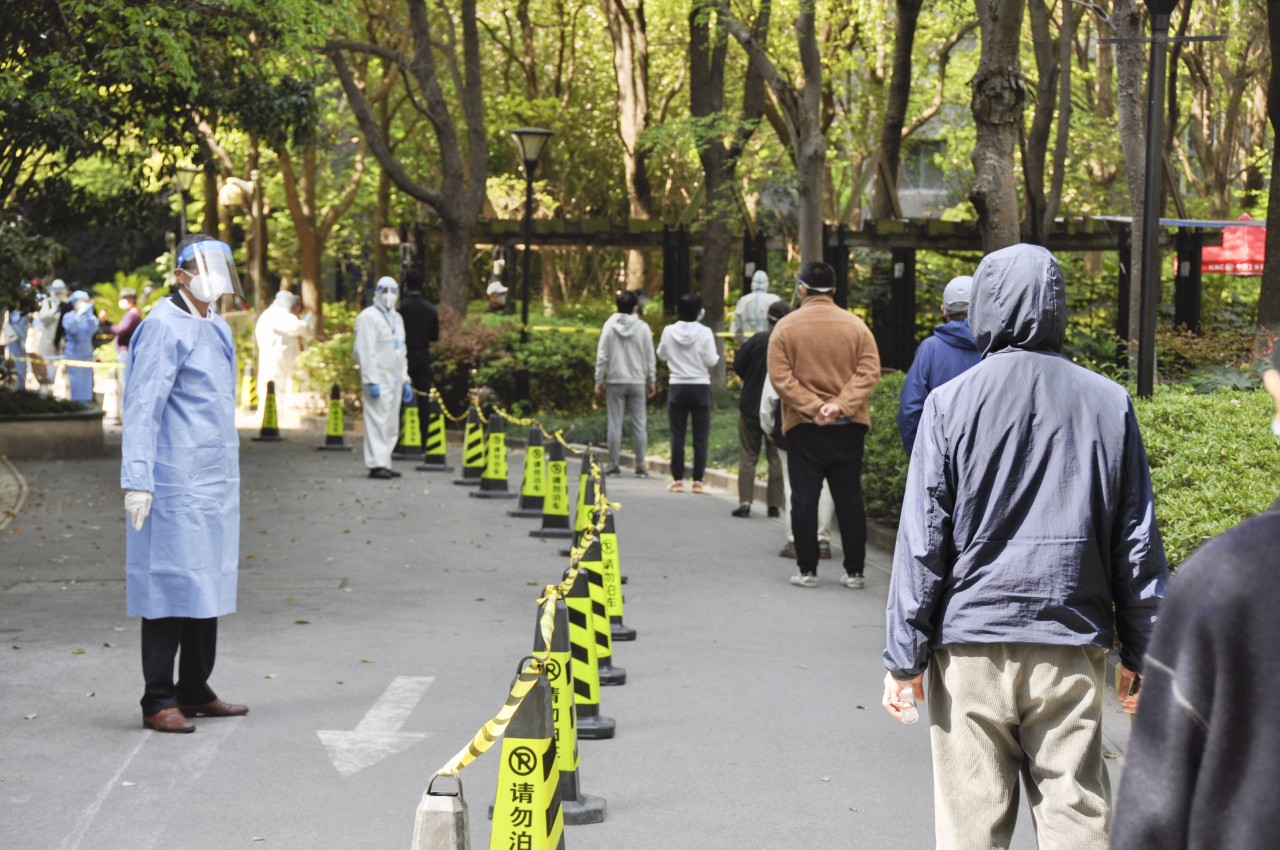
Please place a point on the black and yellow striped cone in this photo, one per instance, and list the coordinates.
(586, 675)
(579, 808)
(248, 390)
(591, 563)
(335, 428)
(533, 483)
(526, 805)
(472, 450)
(270, 430)
(555, 509)
(409, 446)
(493, 483)
(588, 481)
(611, 562)
(442, 821)
(434, 446)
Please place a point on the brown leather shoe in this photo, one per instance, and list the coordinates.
(217, 708)
(168, 720)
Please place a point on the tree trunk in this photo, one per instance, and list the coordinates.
(1269, 297)
(1131, 102)
(630, 37)
(999, 96)
(895, 109)
(455, 264)
(1035, 151)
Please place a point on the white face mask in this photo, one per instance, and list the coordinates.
(206, 287)
(702, 314)
(124, 305)
(387, 300)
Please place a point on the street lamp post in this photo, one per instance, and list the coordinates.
(1161, 11)
(531, 141)
(183, 177)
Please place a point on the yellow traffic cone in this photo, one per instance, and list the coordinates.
(533, 483)
(586, 674)
(555, 510)
(336, 428)
(248, 390)
(493, 483)
(270, 430)
(612, 568)
(579, 808)
(435, 451)
(591, 563)
(473, 460)
(526, 806)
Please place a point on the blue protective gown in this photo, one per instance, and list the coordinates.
(79, 328)
(180, 444)
(19, 322)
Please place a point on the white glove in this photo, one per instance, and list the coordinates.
(137, 505)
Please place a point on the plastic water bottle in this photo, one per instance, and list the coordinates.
(910, 714)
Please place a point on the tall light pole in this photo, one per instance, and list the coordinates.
(531, 141)
(1160, 10)
(183, 177)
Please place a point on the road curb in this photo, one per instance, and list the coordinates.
(13, 492)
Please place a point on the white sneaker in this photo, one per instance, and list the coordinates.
(854, 582)
(804, 580)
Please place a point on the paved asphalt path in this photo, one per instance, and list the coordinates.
(750, 717)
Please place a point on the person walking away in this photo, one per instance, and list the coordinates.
(751, 315)
(939, 358)
(384, 376)
(279, 335)
(180, 471)
(752, 365)
(626, 373)
(771, 424)
(80, 325)
(824, 363)
(689, 350)
(421, 329)
(1027, 544)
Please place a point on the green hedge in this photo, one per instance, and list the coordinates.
(1213, 460)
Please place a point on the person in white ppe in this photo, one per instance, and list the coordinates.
(44, 331)
(14, 334)
(79, 326)
(180, 471)
(384, 376)
(279, 334)
(752, 313)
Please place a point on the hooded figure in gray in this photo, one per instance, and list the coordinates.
(1028, 515)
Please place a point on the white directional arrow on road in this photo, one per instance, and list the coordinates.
(378, 735)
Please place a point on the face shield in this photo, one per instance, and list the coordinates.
(211, 270)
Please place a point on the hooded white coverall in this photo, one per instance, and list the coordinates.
(279, 336)
(752, 313)
(380, 352)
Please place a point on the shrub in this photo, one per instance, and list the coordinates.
(884, 463)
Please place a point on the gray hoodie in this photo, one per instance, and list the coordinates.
(1028, 515)
(624, 354)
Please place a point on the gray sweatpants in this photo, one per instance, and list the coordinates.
(632, 398)
(997, 710)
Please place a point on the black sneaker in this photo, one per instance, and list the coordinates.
(380, 472)
(613, 470)
(742, 511)
(642, 473)
(774, 513)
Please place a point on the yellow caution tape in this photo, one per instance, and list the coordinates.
(59, 361)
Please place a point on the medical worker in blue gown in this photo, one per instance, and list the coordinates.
(79, 326)
(181, 477)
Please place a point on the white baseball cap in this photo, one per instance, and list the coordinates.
(495, 287)
(956, 296)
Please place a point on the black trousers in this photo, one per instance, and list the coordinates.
(420, 378)
(683, 401)
(161, 641)
(833, 453)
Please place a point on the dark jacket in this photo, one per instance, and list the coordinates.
(939, 358)
(1028, 515)
(1201, 768)
(421, 328)
(751, 364)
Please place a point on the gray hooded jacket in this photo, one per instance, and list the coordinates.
(624, 354)
(1028, 515)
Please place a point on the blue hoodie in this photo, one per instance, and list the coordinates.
(1028, 515)
(939, 358)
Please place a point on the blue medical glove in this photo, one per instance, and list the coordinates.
(375, 391)
(408, 394)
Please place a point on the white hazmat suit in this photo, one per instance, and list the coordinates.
(279, 335)
(384, 373)
(752, 313)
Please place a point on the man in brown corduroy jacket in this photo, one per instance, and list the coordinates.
(823, 362)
